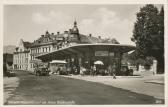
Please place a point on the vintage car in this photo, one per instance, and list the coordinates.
(126, 71)
(41, 70)
(10, 73)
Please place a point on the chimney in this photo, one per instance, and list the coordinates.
(99, 37)
(47, 32)
(58, 33)
(42, 36)
(90, 35)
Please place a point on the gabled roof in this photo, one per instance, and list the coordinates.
(91, 39)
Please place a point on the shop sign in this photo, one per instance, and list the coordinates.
(101, 53)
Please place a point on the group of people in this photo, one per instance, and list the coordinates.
(111, 70)
(94, 70)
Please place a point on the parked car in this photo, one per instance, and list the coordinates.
(10, 73)
(62, 70)
(41, 70)
(126, 71)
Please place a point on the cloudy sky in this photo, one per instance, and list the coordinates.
(30, 21)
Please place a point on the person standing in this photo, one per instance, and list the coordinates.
(114, 71)
(94, 70)
(109, 70)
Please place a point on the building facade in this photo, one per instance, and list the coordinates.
(50, 42)
(21, 56)
(44, 44)
(25, 56)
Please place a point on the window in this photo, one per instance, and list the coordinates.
(49, 48)
(46, 49)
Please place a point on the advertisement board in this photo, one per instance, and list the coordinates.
(101, 53)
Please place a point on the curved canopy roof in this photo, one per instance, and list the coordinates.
(83, 48)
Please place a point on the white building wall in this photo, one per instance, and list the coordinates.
(21, 57)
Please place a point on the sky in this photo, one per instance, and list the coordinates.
(29, 22)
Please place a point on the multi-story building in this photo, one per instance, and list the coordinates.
(50, 42)
(46, 43)
(21, 56)
(26, 53)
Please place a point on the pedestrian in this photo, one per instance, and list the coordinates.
(91, 70)
(94, 70)
(76, 71)
(68, 70)
(114, 75)
(59, 70)
(109, 70)
(114, 71)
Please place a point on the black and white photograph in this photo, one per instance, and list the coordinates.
(84, 54)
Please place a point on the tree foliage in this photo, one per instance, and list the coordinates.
(148, 34)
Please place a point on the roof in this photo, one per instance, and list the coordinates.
(80, 48)
(92, 39)
(46, 39)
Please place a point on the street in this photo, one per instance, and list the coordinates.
(60, 90)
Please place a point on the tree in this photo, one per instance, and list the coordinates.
(160, 41)
(148, 34)
(134, 60)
